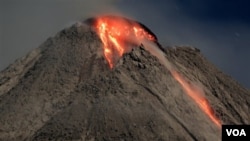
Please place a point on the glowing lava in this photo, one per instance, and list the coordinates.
(196, 95)
(116, 33)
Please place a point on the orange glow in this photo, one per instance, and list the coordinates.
(115, 32)
(196, 95)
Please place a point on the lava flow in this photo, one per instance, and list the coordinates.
(195, 94)
(191, 90)
(117, 33)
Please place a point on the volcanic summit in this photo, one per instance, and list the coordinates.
(107, 79)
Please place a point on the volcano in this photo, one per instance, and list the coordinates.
(92, 81)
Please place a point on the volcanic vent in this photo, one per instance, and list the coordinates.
(119, 35)
(64, 90)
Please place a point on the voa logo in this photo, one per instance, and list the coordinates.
(236, 132)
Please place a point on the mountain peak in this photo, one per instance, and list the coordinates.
(65, 90)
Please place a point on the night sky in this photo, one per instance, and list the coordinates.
(219, 28)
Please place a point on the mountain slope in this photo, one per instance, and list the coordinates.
(65, 90)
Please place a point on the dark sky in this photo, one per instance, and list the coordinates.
(219, 28)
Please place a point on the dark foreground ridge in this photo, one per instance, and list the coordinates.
(64, 90)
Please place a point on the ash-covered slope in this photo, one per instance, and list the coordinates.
(64, 90)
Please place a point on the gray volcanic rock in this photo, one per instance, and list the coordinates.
(64, 90)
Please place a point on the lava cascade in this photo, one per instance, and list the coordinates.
(193, 91)
(196, 95)
(117, 33)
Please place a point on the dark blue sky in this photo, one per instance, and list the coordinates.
(217, 10)
(219, 28)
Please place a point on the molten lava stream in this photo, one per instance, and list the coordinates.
(116, 33)
(195, 94)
